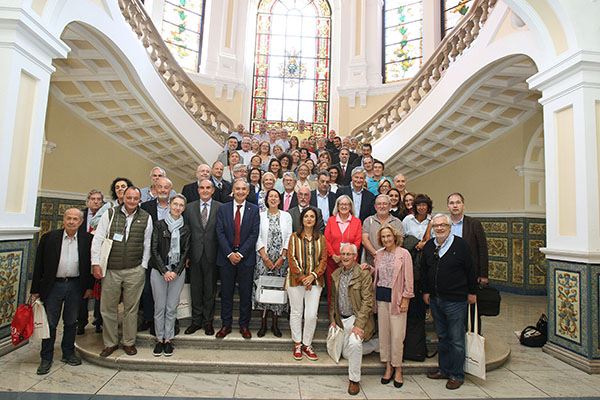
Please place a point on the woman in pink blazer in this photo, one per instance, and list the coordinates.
(342, 227)
(393, 286)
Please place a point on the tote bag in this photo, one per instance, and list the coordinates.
(106, 247)
(335, 342)
(41, 330)
(475, 349)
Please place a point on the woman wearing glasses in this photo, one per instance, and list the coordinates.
(342, 227)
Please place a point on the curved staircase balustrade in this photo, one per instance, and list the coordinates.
(409, 97)
(204, 112)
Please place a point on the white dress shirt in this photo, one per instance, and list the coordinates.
(68, 265)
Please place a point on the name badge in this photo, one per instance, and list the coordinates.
(118, 237)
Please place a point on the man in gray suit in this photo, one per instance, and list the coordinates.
(201, 217)
(304, 202)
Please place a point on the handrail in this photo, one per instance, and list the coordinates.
(450, 48)
(204, 112)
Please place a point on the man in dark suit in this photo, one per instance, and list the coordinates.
(201, 217)
(471, 230)
(322, 198)
(364, 201)
(222, 187)
(190, 191)
(238, 224)
(366, 151)
(345, 167)
(304, 202)
(61, 277)
(289, 198)
(95, 200)
(240, 171)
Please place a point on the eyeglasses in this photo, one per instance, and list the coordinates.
(436, 226)
(347, 254)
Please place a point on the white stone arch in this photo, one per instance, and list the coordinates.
(534, 173)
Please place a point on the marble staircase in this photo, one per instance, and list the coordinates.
(269, 354)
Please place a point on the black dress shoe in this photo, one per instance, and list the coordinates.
(99, 328)
(276, 331)
(209, 330)
(80, 330)
(224, 331)
(246, 334)
(71, 360)
(261, 332)
(44, 367)
(192, 329)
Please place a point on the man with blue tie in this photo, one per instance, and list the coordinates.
(238, 224)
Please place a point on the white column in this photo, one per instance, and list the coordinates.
(26, 53)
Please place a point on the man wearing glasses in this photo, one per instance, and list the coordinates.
(449, 283)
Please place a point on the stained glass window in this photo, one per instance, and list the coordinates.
(292, 65)
(182, 31)
(454, 10)
(402, 39)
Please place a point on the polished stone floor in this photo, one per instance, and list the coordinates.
(529, 373)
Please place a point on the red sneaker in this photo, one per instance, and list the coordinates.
(298, 352)
(309, 352)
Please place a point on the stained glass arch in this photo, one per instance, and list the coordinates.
(182, 26)
(402, 39)
(292, 65)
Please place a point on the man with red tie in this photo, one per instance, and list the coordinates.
(238, 224)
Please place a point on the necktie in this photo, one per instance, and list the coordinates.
(286, 203)
(343, 171)
(237, 225)
(204, 215)
(91, 229)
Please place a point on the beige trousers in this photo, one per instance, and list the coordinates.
(392, 330)
(131, 281)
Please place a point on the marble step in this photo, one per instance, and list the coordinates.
(250, 360)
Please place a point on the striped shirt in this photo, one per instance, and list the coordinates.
(306, 256)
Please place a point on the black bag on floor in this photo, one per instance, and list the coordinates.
(488, 300)
(415, 347)
(535, 336)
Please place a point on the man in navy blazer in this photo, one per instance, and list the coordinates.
(237, 256)
(322, 197)
(359, 194)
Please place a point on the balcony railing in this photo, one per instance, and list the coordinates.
(409, 97)
(200, 108)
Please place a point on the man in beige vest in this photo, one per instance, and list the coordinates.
(130, 229)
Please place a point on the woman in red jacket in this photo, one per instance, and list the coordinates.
(342, 227)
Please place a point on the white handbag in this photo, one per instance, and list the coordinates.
(269, 290)
(106, 247)
(41, 330)
(474, 349)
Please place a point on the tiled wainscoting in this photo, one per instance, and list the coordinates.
(516, 263)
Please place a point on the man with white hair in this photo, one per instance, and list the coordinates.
(190, 191)
(352, 309)
(150, 192)
(245, 153)
(449, 285)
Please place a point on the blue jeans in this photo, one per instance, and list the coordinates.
(68, 294)
(449, 318)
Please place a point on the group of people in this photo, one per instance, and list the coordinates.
(318, 213)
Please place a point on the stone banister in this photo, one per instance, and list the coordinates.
(408, 98)
(198, 106)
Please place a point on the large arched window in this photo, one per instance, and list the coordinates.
(454, 11)
(292, 64)
(402, 39)
(182, 31)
